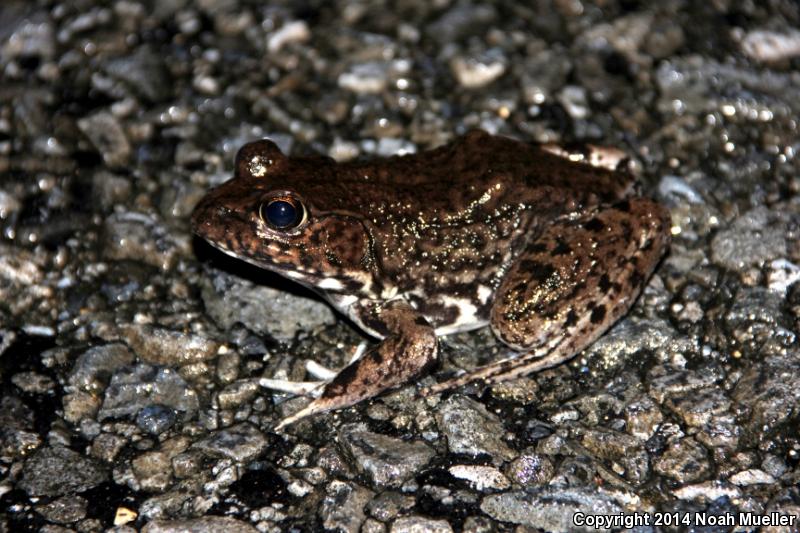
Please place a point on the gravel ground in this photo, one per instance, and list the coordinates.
(130, 352)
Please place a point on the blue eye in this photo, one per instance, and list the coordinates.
(282, 213)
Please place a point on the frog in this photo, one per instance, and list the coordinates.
(548, 245)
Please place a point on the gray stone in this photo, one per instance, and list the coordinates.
(108, 137)
(343, 506)
(242, 443)
(549, 509)
(94, 367)
(700, 408)
(161, 346)
(143, 237)
(622, 449)
(531, 469)
(17, 433)
(470, 429)
(64, 510)
(55, 471)
(770, 393)
(262, 309)
(153, 471)
(752, 239)
(206, 524)
(134, 388)
(388, 504)
(685, 461)
(420, 524)
(386, 461)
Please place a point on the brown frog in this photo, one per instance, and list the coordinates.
(547, 246)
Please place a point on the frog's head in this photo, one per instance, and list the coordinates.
(282, 214)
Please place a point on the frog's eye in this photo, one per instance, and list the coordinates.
(282, 212)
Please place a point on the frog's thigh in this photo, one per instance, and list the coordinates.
(575, 281)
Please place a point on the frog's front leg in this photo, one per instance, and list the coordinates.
(570, 285)
(408, 349)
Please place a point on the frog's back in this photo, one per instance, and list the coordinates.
(478, 160)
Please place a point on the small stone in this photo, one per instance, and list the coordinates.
(708, 491)
(477, 71)
(107, 446)
(685, 461)
(770, 46)
(531, 469)
(471, 429)
(155, 419)
(419, 524)
(480, 477)
(701, 407)
(386, 461)
(624, 450)
(752, 476)
(242, 443)
(161, 346)
(237, 394)
(110, 189)
(55, 471)
(343, 506)
(387, 505)
(94, 367)
(295, 31)
(144, 72)
(642, 418)
(64, 510)
(134, 388)
(549, 509)
(229, 299)
(752, 239)
(80, 405)
(206, 524)
(365, 78)
(138, 237)
(108, 137)
(153, 471)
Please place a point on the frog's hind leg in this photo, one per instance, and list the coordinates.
(571, 284)
(409, 347)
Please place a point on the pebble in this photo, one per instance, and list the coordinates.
(136, 387)
(480, 478)
(420, 524)
(230, 299)
(242, 443)
(56, 471)
(385, 461)
(549, 509)
(685, 461)
(343, 506)
(206, 524)
(108, 137)
(132, 236)
(473, 72)
(770, 46)
(162, 346)
(470, 429)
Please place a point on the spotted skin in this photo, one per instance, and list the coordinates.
(547, 245)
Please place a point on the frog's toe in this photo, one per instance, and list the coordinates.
(298, 388)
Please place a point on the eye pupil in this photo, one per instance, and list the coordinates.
(282, 214)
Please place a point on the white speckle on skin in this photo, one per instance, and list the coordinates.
(484, 293)
(467, 316)
(330, 284)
